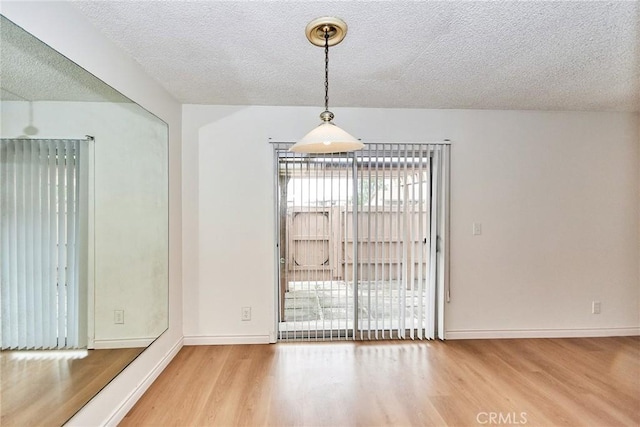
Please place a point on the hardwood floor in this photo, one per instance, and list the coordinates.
(47, 391)
(533, 382)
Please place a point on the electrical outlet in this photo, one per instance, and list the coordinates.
(118, 317)
(246, 314)
(595, 307)
(477, 229)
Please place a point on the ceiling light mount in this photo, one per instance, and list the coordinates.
(336, 28)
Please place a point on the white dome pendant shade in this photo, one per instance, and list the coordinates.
(327, 137)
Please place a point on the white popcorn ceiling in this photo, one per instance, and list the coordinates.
(501, 55)
(32, 71)
(580, 55)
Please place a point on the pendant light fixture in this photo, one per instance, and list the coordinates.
(327, 137)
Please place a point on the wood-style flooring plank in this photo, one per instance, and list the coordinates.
(533, 382)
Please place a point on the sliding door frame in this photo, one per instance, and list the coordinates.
(437, 278)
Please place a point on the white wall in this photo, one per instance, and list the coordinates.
(130, 203)
(556, 193)
(60, 26)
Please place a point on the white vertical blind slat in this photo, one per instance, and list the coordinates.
(30, 216)
(352, 194)
(44, 259)
(4, 280)
(399, 233)
(72, 219)
(443, 236)
(374, 250)
(21, 253)
(369, 230)
(6, 272)
(405, 242)
(13, 249)
(61, 233)
(410, 243)
(6, 161)
(52, 306)
(433, 243)
(311, 244)
(420, 246)
(382, 243)
(36, 244)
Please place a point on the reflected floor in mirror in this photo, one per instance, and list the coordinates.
(45, 388)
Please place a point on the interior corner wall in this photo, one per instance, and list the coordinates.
(63, 28)
(556, 193)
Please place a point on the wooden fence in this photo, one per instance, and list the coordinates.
(320, 243)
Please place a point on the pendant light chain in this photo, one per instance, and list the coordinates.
(326, 68)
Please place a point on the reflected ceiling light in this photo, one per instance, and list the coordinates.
(327, 137)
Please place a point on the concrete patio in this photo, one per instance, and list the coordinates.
(329, 305)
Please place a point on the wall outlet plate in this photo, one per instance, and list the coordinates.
(477, 229)
(118, 317)
(246, 314)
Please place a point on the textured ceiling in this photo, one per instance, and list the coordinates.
(501, 55)
(32, 71)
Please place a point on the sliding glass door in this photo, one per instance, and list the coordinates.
(357, 244)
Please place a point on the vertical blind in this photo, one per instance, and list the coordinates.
(359, 241)
(39, 241)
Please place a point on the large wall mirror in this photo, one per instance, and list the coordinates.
(84, 231)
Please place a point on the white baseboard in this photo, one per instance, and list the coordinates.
(119, 414)
(123, 343)
(226, 339)
(463, 334)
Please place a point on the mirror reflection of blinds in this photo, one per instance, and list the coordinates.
(39, 240)
(359, 256)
